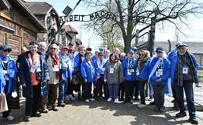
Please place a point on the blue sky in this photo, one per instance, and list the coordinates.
(194, 33)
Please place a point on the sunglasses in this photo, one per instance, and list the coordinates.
(53, 48)
(5, 50)
(141, 54)
(72, 52)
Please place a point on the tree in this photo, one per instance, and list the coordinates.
(130, 15)
(110, 39)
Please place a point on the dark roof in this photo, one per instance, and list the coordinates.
(4, 4)
(28, 13)
(70, 29)
(38, 8)
(78, 41)
(194, 47)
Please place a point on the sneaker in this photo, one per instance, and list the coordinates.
(37, 114)
(45, 111)
(161, 110)
(141, 105)
(10, 118)
(152, 103)
(92, 99)
(61, 104)
(27, 118)
(109, 99)
(116, 101)
(54, 108)
(67, 98)
(71, 97)
(181, 114)
(87, 100)
(193, 120)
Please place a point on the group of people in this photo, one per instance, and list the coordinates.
(49, 77)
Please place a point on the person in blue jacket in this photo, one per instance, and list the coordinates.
(159, 72)
(88, 73)
(77, 66)
(129, 67)
(100, 66)
(183, 75)
(9, 71)
(64, 76)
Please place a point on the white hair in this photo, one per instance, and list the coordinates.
(43, 44)
(122, 54)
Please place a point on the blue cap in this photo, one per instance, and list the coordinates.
(134, 48)
(5, 47)
(71, 43)
(101, 49)
(159, 50)
(131, 51)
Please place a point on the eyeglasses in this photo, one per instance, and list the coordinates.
(72, 52)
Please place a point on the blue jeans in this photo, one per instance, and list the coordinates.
(188, 87)
(62, 87)
(113, 90)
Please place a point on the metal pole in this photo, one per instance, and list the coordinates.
(62, 24)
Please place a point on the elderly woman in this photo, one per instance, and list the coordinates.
(113, 76)
(33, 71)
(9, 71)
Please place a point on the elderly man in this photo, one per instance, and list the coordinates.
(183, 74)
(53, 65)
(42, 48)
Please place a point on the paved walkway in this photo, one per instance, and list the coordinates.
(103, 113)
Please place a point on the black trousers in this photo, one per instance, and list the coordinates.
(121, 91)
(136, 89)
(52, 93)
(159, 95)
(87, 88)
(32, 104)
(128, 85)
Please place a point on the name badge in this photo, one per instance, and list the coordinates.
(32, 70)
(158, 74)
(39, 69)
(111, 70)
(161, 71)
(132, 70)
(14, 94)
(129, 73)
(185, 70)
(56, 68)
(137, 72)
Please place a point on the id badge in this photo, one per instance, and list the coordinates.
(39, 69)
(129, 73)
(14, 94)
(185, 70)
(132, 70)
(32, 70)
(158, 74)
(56, 68)
(161, 71)
(137, 72)
(111, 70)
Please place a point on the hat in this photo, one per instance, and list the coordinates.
(101, 49)
(131, 51)
(5, 47)
(159, 50)
(89, 49)
(71, 43)
(134, 48)
(182, 46)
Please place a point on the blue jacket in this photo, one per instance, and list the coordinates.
(24, 74)
(87, 71)
(77, 61)
(100, 67)
(11, 74)
(94, 58)
(147, 69)
(127, 68)
(174, 60)
(70, 67)
(64, 68)
(2, 80)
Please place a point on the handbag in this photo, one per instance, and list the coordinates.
(13, 102)
(3, 103)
